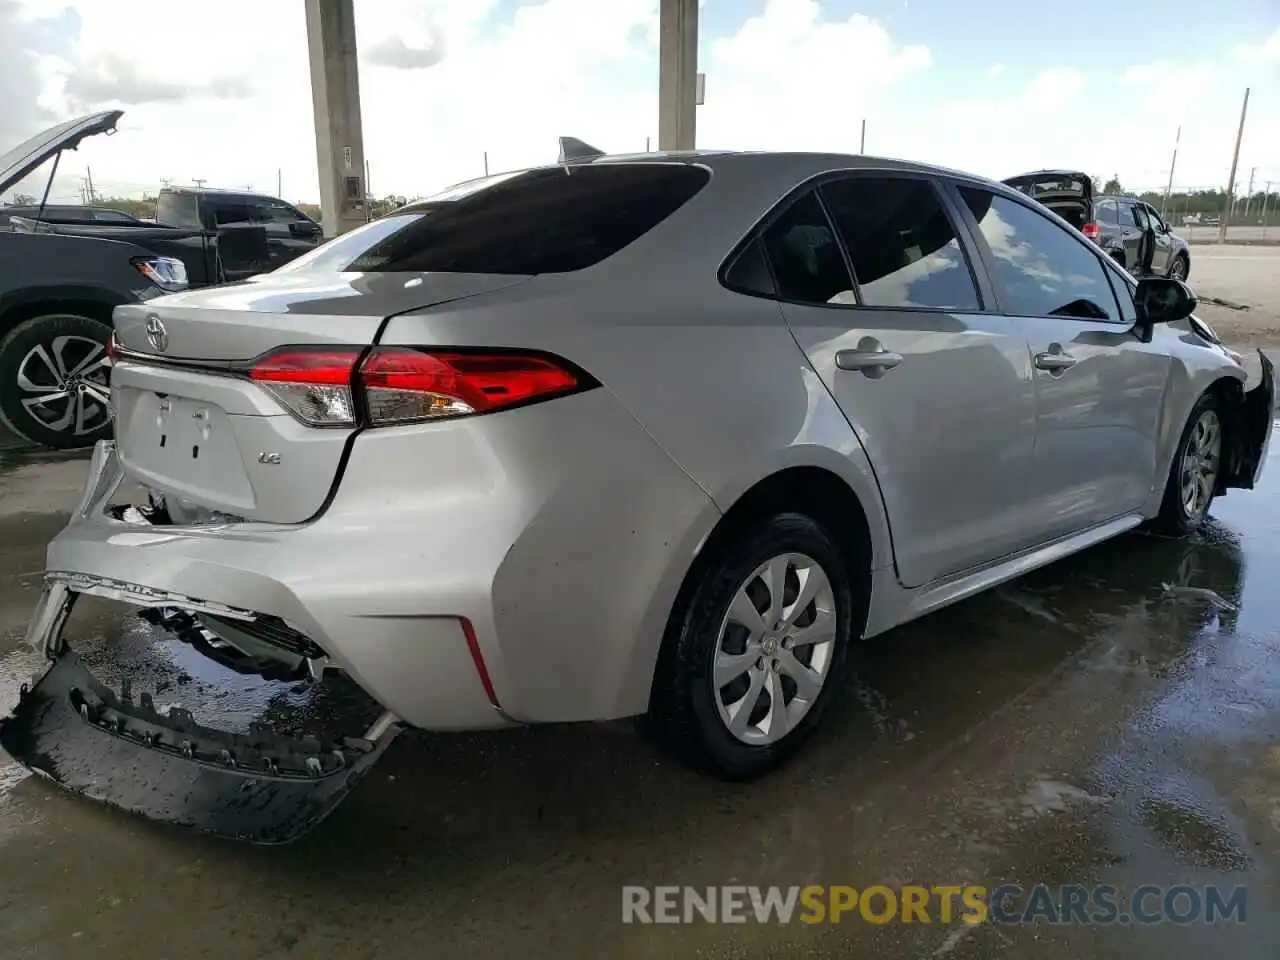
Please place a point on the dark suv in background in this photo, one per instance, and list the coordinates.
(64, 269)
(1128, 229)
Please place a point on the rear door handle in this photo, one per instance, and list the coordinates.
(1054, 362)
(868, 361)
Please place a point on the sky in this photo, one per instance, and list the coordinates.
(219, 90)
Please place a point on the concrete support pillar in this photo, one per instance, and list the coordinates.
(335, 97)
(677, 74)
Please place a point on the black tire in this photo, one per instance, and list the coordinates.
(52, 427)
(683, 709)
(1185, 262)
(1174, 517)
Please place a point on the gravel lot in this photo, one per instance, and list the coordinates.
(1248, 277)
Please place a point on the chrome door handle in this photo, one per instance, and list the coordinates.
(868, 361)
(1054, 362)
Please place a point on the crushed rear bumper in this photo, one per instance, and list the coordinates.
(72, 730)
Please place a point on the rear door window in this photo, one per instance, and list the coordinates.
(553, 220)
(901, 243)
(805, 254)
(1104, 211)
(231, 210)
(1041, 269)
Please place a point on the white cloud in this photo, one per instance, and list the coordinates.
(1266, 52)
(443, 82)
(789, 79)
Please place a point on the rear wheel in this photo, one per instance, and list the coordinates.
(53, 381)
(1194, 473)
(756, 649)
(1179, 267)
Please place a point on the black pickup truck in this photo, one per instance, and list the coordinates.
(61, 277)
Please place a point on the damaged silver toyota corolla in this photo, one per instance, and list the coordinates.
(653, 435)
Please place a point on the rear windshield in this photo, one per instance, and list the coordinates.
(553, 220)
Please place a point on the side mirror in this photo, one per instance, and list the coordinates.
(1161, 300)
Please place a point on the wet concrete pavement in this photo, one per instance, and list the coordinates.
(1081, 725)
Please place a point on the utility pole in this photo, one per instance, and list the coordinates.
(862, 146)
(486, 163)
(1172, 163)
(199, 182)
(279, 182)
(1248, 196)
(1265, 198)
(1231, 179)
(93, 197)
(677, 74)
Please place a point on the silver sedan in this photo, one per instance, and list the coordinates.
(661, 434)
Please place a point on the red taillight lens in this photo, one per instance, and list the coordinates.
(1090, 230)
(111, 349)
(402, 385)
(314, 384)
(319, 385)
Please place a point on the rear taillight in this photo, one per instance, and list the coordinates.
(314, 384)
(111, 349)
(1090, 230)
(405, 385)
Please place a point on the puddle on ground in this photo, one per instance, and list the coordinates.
(1195, 835)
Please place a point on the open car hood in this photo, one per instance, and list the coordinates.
(1051, 185)
(28, 155)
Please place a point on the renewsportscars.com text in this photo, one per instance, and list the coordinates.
(971, 904)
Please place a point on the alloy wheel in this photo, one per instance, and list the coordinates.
(775, 648)
(62, 384)
(1178, 270)
(1200, 464)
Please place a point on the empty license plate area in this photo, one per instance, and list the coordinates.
(184, 446)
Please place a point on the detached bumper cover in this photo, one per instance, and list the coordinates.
(1257, 411)
(72, 730)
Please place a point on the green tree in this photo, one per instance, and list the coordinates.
(380, 208)
(144, 208)
(1113, 185)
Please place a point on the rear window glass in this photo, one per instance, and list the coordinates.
(178, 209)
(553, 220)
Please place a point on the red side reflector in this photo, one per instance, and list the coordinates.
(1090, 230)
(477, 658)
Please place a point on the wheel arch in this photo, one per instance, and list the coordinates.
(1228, 390)
(96, 303)
(805, 488)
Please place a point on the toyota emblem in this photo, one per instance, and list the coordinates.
(157, 335)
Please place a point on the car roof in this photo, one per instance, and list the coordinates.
(218, 192)
(800, 163)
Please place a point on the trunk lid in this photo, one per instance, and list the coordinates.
(19, 162)
(191, 425)
(1054, 185)
(1068, 193)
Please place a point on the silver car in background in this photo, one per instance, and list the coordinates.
(661, 434)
